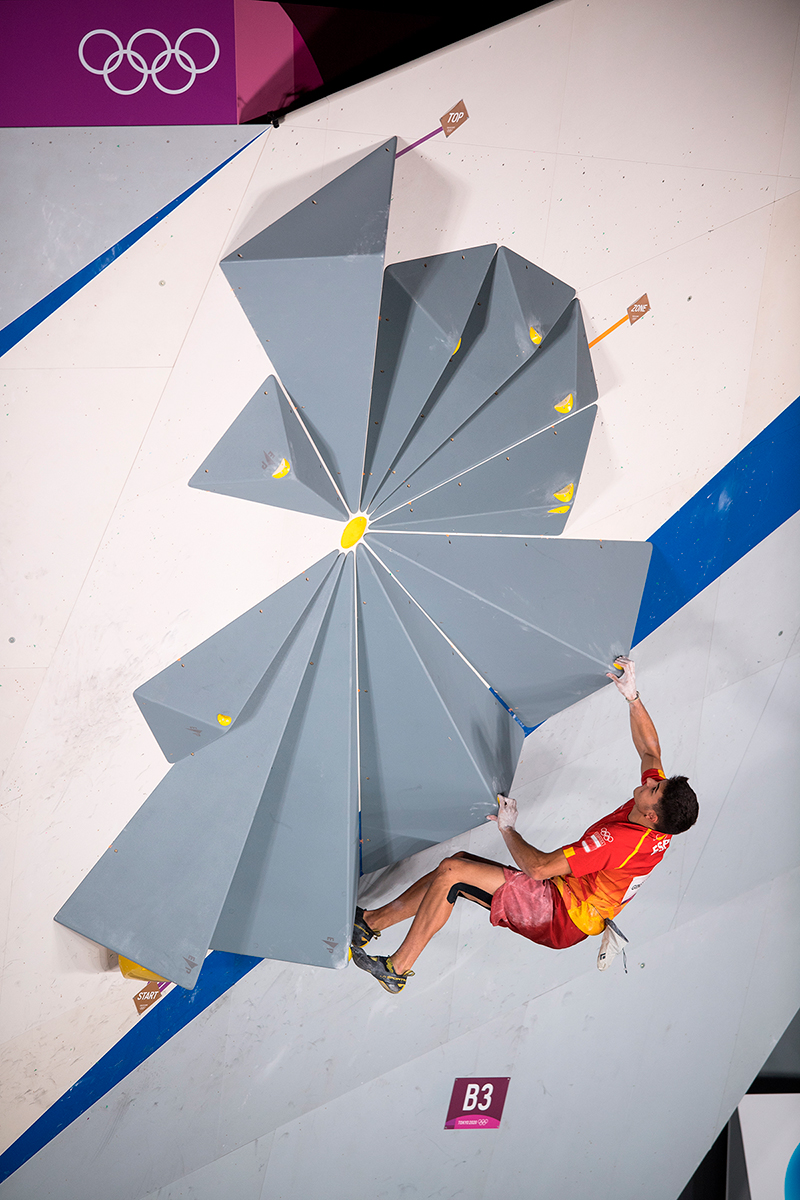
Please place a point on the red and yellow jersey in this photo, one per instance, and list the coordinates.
(609, 865)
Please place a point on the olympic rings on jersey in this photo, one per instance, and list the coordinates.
(136, 60)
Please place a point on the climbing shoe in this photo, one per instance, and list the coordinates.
(382, 969)
(361, 931)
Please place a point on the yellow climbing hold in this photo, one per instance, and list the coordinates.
(223, 719)
(566, 493)
(535, 337)
(566, 405)
(353, 532)
(564, 508)
(132, 970)
(456, 349)
(284, 467)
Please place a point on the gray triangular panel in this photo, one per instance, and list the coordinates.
(266, 456)
(348, 216)
(527, 489)
(310, 285)
(157, 892)
(517, 307)
(424, 308)
(540, 618)
(542, 298)
(293, 895)
(183, 703)
(585, 382)
(436, 747)
(557, 380)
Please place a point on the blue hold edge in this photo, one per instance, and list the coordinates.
(180, 1006)
(744, 503)
(526, 729)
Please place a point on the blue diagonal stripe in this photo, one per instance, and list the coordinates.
(747, 500)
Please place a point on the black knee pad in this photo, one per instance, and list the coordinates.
(469, 892)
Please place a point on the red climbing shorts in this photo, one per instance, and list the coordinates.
(534, 908)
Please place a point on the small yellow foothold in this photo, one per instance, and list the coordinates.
(564, 508)
(535, 337)
(456, 349)
(566, 405)
(223, 719)
(284, 467)
(353, 532)
(566, 493)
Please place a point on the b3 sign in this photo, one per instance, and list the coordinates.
(477, 1103)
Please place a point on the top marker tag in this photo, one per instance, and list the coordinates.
(451, 120)
(638, 308)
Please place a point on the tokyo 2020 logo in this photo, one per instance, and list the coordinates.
(160, 62)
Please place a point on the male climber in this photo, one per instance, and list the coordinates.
(558, 898)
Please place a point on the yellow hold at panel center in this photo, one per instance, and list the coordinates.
(353, 532)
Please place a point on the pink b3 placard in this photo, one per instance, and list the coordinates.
(477, 1103)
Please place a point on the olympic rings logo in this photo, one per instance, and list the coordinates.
(136, 60)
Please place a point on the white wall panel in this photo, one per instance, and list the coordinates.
(770, 1132)
(664, 83)
(773, 991)
(775, 363)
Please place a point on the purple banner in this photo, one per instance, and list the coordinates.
(110, 62)
(477, 1103)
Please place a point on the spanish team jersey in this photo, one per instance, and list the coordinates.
(609, 865)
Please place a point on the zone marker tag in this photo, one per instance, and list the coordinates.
(635, 313)
(639, 307)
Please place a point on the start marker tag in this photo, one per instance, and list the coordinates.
(456, 116)
(151, 991)
(638, 308)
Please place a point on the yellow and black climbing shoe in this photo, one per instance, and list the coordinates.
(361, 931)
(382, 969)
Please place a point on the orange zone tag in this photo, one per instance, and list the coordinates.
(639, 307)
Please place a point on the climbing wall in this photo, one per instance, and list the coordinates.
(673, 214)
